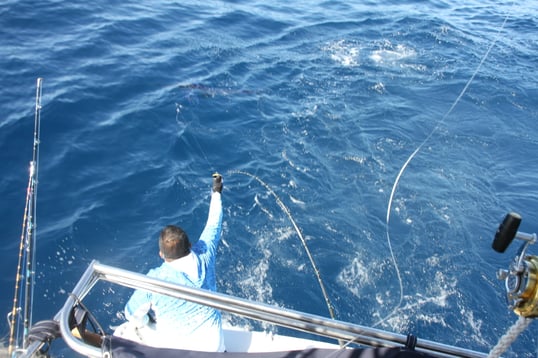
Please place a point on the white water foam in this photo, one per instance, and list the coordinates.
(344, 52)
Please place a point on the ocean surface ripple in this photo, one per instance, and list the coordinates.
(324, 101)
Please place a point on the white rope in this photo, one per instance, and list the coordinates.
(509, 337)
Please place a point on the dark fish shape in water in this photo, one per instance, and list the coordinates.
(197, 90)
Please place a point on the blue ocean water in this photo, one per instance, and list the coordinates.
(323, 101)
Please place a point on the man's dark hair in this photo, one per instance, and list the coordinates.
(174, 243)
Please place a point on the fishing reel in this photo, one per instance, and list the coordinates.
(521, 278)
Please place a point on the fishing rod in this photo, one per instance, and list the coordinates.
(20, 317)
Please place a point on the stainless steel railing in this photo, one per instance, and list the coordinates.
(314, 324)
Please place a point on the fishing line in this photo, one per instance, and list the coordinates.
(178, 114)
(296, 227)
(416, 151)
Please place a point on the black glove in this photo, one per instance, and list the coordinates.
(217, 182)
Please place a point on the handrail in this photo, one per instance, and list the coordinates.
(301, 321)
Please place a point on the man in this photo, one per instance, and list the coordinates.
(179, 323)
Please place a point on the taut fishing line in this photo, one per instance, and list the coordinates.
(296, 227)
(404, 167)
(179, 107)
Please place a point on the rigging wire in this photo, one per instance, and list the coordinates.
(415, 152)
(26, 260)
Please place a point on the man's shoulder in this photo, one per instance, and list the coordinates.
(160, 271)
(167, 273)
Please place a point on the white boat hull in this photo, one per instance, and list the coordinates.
(235, 340)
